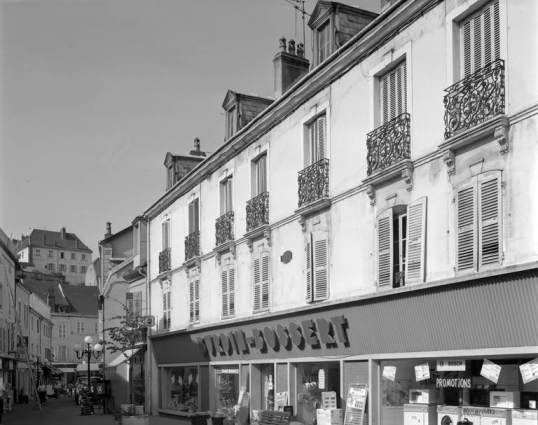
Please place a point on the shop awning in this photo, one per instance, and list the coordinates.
(67, 369)
(123, 357)
(53, 370)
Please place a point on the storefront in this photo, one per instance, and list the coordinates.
(445, 345)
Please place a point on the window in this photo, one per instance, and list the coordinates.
(261, 281)
(400, 244)
(165, 230)
(50, 267)
(62, 267)
(180, 388)
(72, 256)
(50, 254)
(228, 290)
(38, 253)
(480, 39)
(62, 254)
(26, 315)
(317, 266)
(226, 193)
(260, 175)
(393, 93)
(323, 38)
(80, 327)
(194, 298)
(194, 216)
(83, 256)
(134, 302)
(231, 121)
(62, 353)
(478, 217)
(73, 269)
(62, 330)
(167, 319)
(316, 140)
(83, 269)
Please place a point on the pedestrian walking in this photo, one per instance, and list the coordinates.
(3, 396)
(70, 389)
(42, 393)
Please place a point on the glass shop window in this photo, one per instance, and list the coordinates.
(227, 389)
(312, 380)
(263, 387)
(180, 389)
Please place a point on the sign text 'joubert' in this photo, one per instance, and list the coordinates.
(313, 332)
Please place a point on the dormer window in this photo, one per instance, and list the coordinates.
(323, 38)
(231, 122)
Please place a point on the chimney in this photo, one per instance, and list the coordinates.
(62, 232)
(197, 151)
(108, 229)
(290, 66)
(51, 300)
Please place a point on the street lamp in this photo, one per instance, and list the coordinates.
(88, 352)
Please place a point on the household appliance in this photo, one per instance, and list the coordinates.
(423, 396)
(448, 415)
(420, 414)
(506, 399)
(472, 414)
(524, 417)
(495, 416)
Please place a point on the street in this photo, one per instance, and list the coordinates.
(63, 411)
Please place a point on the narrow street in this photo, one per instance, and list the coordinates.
(63, 411)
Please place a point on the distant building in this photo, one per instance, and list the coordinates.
(52, 252)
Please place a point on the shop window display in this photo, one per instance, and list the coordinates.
(181, 389)
(227, 390)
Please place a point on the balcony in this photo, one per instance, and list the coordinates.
(475, 99)
(165, 260)
(258, 211)
(314, 182)
(224, 228)
(389, 144)
(192, 245)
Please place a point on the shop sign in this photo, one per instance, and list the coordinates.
(422, 372)
(453, 382)
(329, 332)
(529, 371)
(490, 371)
(447, 365)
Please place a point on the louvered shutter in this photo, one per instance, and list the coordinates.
(197, 300)
(393, 96)
(231, 291)
(229, 193)
(489, 219)
(466, 226)
(384, 248)
(308, 269)
(168, 299)
(165, 234)
(261, 166)
(320, 243)
(192, 301)
(264, 281)
(416, 231)
(193, 216)
(321, 137)
(317, 134)
(480, 39)
(224, 283)
(257, 284)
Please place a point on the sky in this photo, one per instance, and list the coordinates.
(94, 93)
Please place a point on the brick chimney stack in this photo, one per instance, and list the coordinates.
(290, 66)
(108, 229)
(62, 232)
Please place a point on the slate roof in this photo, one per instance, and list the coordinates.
(49, 238)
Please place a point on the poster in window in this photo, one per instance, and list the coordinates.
(490, 370)
(422, 372)
(389, 372)
(356, 404)
(529, 371)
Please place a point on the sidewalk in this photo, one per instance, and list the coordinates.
(64, 411)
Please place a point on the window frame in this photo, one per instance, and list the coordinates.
(317, 266)
(80, 327)
(325, 31)
(226, 195)
(194, 215)
(317, 110)
(261, 280)
(231, 121)
(165, 233)
(194, 296)
(259, 185)
(167, 305)
(62, 330)
(228, 280)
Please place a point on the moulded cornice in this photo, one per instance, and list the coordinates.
(311, 208)
(223, 248)
(262, 231)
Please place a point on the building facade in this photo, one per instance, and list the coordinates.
(370, 226)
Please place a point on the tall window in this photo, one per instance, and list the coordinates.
(38, 253)
(261, 281)
(73, 269)
(260, 175)
(83, 269)
(228, 289)
(62, 330)
(480, 39)
(194, 216)
(317, 266)
(26, 315)
(400, 244)
(50, 254)
(231, 121)
(80, 327)
(63, 267)
(478, 216)
(165, 230)
(323, 36)
(62, 255)
(62, 353)
(83, 256)
(316, 140)
(226, 193)
(50, 267)
(194, 298)
(393, 93)
(72, 256)
(167, 305)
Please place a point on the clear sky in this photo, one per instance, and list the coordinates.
(94, 93)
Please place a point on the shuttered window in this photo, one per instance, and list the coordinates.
(393, 93)
(260, 170)
(478, 215)
(194, 299)
(317, 138)
(167, 319)
(165, 234)
(401, 241)
(480, 39)
(194, 216)
(228, 291)
(261, 281)
(317, 267)
(226, 196)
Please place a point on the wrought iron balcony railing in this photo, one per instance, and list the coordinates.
(165, 260)
(224, 228)
(314, 182)
(192, 245)
(475, 99)
(258, 211)
(389, 144)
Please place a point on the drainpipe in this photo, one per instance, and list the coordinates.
(148, 309)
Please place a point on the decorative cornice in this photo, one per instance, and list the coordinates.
(262, 231)
(223, 248)
(311, 208)
(450, 161)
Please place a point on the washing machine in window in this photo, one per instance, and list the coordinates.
(524, 417)
(495, 416)
(448, 415)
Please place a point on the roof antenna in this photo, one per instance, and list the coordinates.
(299, 6)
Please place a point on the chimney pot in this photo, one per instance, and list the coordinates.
(62, 232)
(282, 44)
(289, 67)
(291, 47)
(108, 229)
(300, 50)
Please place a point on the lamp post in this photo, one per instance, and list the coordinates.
(88, 351)
(38, 370)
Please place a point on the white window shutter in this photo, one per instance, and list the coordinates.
(321, 121)
(224, 282)
(466, 227)
(384, 248)
(229, 188)
(489, 219)
(261, 175)
(264, 284)
(191, 217)
(191, 295)
(320, 243)
(308, 269)
(231, 291)
(197, 300)
(165, 234)
(393, 93)
(257, 284)
(416, 241)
